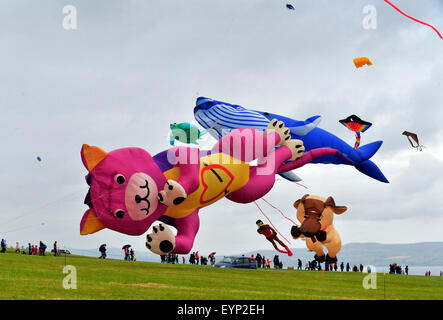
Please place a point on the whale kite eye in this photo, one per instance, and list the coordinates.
(119, 178)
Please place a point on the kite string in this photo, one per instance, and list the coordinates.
(292, 182)
(48, 204)
(279, 211)
(412, 18)
(271, 222)
(42, 207)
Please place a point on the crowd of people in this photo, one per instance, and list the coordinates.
(195, 258)
(38, 249)
(129, 254)
(396, 269)
(263, 262)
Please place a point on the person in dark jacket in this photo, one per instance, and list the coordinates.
(3, 245)
(258, 258)
(299, 266)
(42, 248)
(102, 250)
(276, 262)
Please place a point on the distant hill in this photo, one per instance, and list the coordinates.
(371, 253)
(377, 254)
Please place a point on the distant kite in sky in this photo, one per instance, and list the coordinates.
(185, 132)
(356, 125)
(39, 159)
(360, 62)
(413, 136)
(290, 6)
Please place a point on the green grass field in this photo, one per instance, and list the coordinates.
(35, 277)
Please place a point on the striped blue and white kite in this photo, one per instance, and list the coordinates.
(219, 118)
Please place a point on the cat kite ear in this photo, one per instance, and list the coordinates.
(90, 223)
(91, 156)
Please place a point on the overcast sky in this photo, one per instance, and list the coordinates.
(133, 67)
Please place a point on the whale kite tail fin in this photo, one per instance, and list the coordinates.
(368, 167)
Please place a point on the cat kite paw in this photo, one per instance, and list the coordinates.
(297, 148)
(280, 129)
(173, 194)
(161, 240)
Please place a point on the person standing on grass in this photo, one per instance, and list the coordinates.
(407, 270)
(102, 250)
(299, 264)
(264, 262)
(342, 266)
(42, 248)
(3, 245)
(258, 259)
(348, 267)
(276, 262)
(17, 247)
(55, 248)
(131, 253)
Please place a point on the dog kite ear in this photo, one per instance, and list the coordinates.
(337, 209)
(296, 203)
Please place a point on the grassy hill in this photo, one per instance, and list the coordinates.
(35, 277)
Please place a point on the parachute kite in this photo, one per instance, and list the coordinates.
(290, 6)
(130, 189)
(360, 62)
(414, 137)
(356, 125)
(185, 132)
(217, 117)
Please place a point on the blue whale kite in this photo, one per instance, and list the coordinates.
(219, 118)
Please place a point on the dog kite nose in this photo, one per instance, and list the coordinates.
(138, 199)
